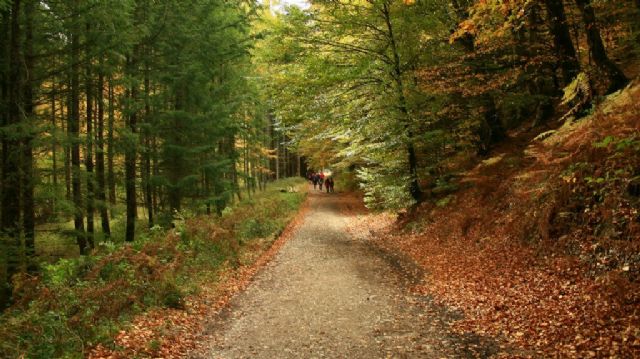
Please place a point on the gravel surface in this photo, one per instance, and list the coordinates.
(328, 294)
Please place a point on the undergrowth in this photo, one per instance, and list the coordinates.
(539, 246)
(77, 303)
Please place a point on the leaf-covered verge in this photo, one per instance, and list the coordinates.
(539, 246)
(78, 304)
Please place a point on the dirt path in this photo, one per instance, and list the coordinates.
(327, 294)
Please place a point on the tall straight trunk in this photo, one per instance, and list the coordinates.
(148, 189)
(245, 162)
(146, 170)
(266, 143)
(635, 26)
(174, 156)
(254, 174)
(155, 170)
(111, 177)
(285, 157)
(28, 205)
(414, 186)
(10, 155)
(130, 158)
(612, 74)
(100, 180)
(5, 289)
(67, 162)
(207, 191)
(277, 146)
(67, 142)
(130, 168)
(230, 151)
(566, 53)
(54, 141)
(88, 159)
(74, 133)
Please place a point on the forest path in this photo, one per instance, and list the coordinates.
(328, 294)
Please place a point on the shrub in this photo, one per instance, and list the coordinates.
(80, 302)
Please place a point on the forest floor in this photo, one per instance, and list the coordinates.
(538, 244)
(328, 293)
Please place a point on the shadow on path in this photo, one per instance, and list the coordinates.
(327, 294)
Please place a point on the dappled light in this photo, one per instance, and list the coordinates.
(319, 178)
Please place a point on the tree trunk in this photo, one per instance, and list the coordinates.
(147, 144)
(5, 246)
(67, 162)
(28, 204)
(66, 144)
(54, 141)
(74, 133)
(565, 51)
(414, 186)
(10, 155)
(111, 177)
(100, 179)
(155, 170)
(174, 155)
(88, 160)
(130, 159)
(230, 151)
(613, 76)
(491, 130)
(277, 146)
(245, 162)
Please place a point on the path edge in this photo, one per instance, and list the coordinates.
(242, 278)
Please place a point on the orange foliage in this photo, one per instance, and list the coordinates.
(496, 251)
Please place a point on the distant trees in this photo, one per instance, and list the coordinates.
(130, 106)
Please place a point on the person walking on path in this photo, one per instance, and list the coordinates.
(314, 179)
(327, 184)
(320, 181)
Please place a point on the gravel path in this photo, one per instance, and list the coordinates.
(327, 294)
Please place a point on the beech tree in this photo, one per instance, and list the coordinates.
(393, 89)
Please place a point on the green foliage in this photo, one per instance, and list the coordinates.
(605, 142)
(601, 189)
(84, 301)
(172, 296)
(61, 274)
(444, 186)
(443, 202)
(577, 89)
(255, 228)
(342, 95)
(384, 191)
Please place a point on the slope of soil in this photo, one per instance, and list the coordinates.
(541, 246)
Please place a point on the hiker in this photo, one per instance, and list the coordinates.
(327, 184)
(331, 184)
(314, 179)
(321, 180)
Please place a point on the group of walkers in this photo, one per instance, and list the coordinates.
(319, 180)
